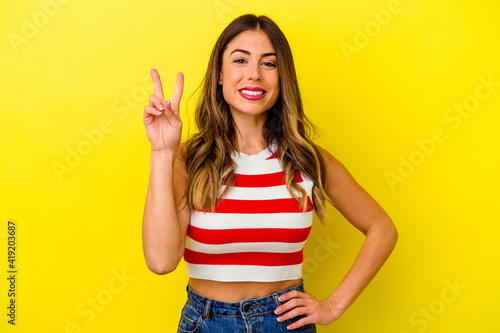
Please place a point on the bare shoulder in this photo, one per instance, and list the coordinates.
(339, 183)
(347, 195)
(336, 172)
(330, 160)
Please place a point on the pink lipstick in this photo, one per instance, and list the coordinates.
(252, 93)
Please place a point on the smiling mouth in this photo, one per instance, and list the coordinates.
(252, 93)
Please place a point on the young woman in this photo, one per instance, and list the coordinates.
(236, 199)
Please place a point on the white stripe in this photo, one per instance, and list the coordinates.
(261, 168)
(229, 273)
(263, 193)
(274, 247)
(234, 221)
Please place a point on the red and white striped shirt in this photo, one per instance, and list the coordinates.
(257, 231)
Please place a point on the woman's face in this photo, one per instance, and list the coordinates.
(249, 74)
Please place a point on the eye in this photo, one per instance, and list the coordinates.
(269, 64)
(239, 61)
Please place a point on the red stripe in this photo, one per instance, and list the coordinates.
(248, 235)
(271, 206)
(298, 177)
(243, 258)
(264, 180)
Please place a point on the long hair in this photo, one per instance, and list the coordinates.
(208, 153)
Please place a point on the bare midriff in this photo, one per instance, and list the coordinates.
(237, 291)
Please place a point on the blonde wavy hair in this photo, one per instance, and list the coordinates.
(208, 153)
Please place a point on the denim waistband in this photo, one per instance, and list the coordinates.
(246, 307)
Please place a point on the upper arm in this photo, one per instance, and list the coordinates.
(180, 187)
(350, 199)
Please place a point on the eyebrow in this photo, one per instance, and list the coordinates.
(248, 52)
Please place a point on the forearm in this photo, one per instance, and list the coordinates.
(160, 227)
(376, 248)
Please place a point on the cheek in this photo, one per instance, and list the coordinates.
(228, 92)
(275, 82)
(230, 79)
(225, 92)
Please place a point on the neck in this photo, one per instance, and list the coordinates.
(249, 132)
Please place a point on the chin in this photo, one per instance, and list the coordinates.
(253, 111)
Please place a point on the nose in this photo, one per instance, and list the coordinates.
(254, 71)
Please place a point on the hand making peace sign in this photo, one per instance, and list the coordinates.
(161, 118)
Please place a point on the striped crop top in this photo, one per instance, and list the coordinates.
(257, 231)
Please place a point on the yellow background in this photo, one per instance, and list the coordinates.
(82, 71)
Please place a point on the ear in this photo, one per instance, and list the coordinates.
(220, 78)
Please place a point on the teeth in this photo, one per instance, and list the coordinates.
(254, 93)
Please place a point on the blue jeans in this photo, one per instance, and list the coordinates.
(251, 315)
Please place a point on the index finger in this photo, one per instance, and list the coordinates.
(157, 84)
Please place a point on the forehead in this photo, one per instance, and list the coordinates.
(255, 41)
